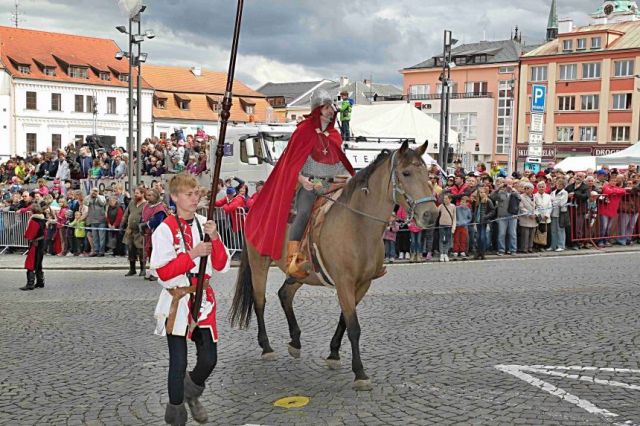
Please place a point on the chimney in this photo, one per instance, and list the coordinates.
(197, 71)
(565, 25)
(344, 81)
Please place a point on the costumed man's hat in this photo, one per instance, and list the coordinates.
(320, 97)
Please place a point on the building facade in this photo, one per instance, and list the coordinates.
(592, 105)
(188, 98)
(292, 101)
(56, 89)
(482, 96)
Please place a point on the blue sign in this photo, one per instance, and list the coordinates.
(538, 96)
(227, 150)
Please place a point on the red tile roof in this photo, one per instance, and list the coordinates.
(37, 49)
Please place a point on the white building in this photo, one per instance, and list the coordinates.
(55, 89)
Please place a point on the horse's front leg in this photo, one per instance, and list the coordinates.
(348, 301)
(286, 294)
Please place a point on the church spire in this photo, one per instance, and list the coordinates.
(552, 24)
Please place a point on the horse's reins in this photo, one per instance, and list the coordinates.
(396, 189)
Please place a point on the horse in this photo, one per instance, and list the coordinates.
(351, 247)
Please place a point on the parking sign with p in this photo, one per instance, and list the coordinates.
(538, 95)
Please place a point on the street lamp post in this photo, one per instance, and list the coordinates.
(130, 135)
(445, 79)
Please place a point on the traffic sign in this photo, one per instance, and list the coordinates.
(537, 122)
(535, 139)
(538, 96)
(534, 151)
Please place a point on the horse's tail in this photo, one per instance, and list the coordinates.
(242, 305)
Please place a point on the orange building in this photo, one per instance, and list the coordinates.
(481, 99)
(592, 106)
(187, 98)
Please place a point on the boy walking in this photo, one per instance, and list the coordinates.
(178, 249)
(35, 233)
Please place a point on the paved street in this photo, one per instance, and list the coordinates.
(81, 351)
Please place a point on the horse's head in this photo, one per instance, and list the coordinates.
(411, 186)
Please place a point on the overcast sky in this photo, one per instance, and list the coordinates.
(295, 40)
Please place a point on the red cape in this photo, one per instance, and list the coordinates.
(266, 222)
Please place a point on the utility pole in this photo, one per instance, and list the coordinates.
(139, 107)
(130, 137)
(445, 78)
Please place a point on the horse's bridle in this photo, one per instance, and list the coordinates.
(397, 189)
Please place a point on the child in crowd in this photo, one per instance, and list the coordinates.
(79, 233)
(461, 235)
(591, 216)
(416, 242)
(95, 172)
(447, 213)
(389, 237)
(178, 249)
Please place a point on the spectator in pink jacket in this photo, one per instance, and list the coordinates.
(612, 192)
(389, 238)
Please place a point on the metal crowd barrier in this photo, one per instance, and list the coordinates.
(601, 222)
(233, 239)
(12, 227)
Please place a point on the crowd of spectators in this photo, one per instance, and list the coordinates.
(550, 210)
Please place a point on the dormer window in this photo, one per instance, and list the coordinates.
(184, 105)
(50, 71)
(567, 45)
(248, 105)
(24, 69)
(105, 76)
(214, 104)
(123, 77)
(78, 72)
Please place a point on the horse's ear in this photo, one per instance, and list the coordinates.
(404, 147)
(422, 148)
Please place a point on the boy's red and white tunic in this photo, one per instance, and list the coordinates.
(172, 263)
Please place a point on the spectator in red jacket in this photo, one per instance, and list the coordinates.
(114, 216)
(253, 197)
(230, 205)
(612, 192)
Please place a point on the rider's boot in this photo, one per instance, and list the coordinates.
(297, 265)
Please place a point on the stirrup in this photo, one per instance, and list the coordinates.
(298, 269)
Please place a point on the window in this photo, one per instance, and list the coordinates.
(184, 104)
(566, 103)
(92, 107)
(589, 102)
(564, 134)
(50, 71)
(591, 70)
(111, 105)
(78, 72)
(480, 59)
(32, 100)
(56, 142)
(56, 102)
(581, 44)
(417, 90)
(460, 60)
(257, 150)
(539, 73)
(24, 69)
(569, 72)
(250, 109)
(105, 76)
(123, 77)
(161, 103)
(79, 105)
(32, 143)
(621, 101)
(620, 133)
(505, 70)
(477, 87)
(596, 42)
(588, 134)
(623, 68)
(567, 45)
(462, 122)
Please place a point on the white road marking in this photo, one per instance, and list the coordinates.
(522, 372)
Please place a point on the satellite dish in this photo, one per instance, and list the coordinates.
(130, 7)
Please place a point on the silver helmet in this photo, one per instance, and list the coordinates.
(320, 97)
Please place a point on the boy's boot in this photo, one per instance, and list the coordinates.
(191, 394)
(175, 415)
(39, 279)
(31, 280)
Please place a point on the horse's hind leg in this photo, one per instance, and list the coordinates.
(286, 294)
(259, 278)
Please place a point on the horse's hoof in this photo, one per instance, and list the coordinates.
(334, 364)
(362, 385)
(269, 356)
(294, 352)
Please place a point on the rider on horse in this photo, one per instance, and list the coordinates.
(312, 159)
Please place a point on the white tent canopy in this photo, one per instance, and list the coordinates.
(397, 120)
(625, 157)
(577, 164)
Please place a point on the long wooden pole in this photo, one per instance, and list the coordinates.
(224, 115)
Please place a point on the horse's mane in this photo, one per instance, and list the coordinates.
(361, 179)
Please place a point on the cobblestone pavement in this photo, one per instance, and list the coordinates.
(81, 350)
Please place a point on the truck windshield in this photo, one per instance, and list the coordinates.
(276, 143)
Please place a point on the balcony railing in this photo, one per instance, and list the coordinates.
(431, 97)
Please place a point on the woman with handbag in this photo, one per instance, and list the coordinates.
(542, 203)
(559, 216)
